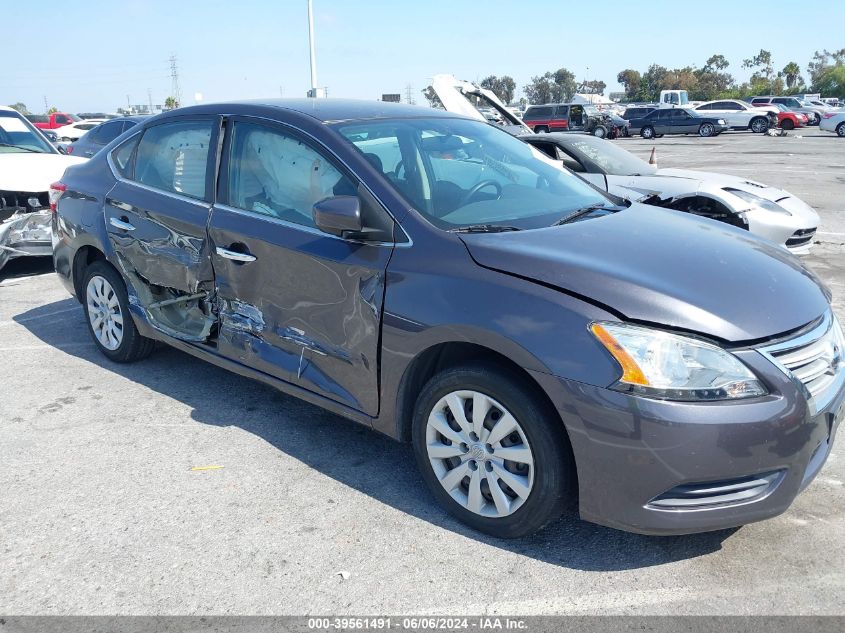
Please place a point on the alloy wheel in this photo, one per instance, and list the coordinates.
(104, 313)
(706, 129)
(840, 129)
(479, 453)
(759, 126)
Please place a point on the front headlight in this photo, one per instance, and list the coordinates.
(757, 201)
(668, 366)
(721, 122)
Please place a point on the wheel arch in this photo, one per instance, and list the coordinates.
(447, 354)
(82, 259)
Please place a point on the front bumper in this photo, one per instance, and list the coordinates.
(26, 234)
(631, 451)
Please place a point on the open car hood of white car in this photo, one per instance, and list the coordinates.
(28, 171)
(453, 95)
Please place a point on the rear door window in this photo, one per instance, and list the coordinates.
(538, 113)
(562, 111)
(174, 156)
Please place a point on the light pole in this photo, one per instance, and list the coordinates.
(314, 92)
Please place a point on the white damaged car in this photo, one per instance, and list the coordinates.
(766, 211)
(29, 164)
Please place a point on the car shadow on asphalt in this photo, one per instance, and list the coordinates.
(348, 452)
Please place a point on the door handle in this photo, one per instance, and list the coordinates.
(235, 256)
(121, 224)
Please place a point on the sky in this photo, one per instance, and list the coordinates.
(99, 53)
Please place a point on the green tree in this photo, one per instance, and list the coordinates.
(822, 60)
(170, 103)
(831, 81)
(715, 63)
(52, 109)
(503, 87)
(653, 81)
(20, 107)
(630, 80)
(552, 87)
(593, 87)
(792, 73)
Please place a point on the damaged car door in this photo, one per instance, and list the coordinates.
(156, 218)
(294, 302)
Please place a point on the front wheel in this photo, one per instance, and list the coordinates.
(787, 124)
(647, 132)
(492, 453)
(600, 131)
(759, 125)
(706, 129)
(107, 311)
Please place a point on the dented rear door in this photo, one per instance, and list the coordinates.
(156, 217)
(294, 302)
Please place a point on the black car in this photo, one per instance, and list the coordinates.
(637, 111)
(434, 278)
(676, 121)
(98, 137)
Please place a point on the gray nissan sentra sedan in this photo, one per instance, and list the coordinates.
(442, 282)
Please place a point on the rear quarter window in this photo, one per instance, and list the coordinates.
(538, 113)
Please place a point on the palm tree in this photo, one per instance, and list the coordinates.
(170, 103)
(792, 73)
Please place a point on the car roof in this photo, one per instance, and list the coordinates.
(324, 110)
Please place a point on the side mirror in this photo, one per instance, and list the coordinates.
(338, 215)
(61, 149)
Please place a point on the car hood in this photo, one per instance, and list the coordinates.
(664, 267)
(26, 171)
(724, 180)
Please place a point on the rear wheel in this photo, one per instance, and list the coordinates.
(107, 311)
(706, 129)
(759, 125)
(647, 132)
(600, 131)
(491, 452)
(840, 130)
(787, 124)
(541, 129)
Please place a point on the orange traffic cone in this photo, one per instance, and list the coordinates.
(652, 160)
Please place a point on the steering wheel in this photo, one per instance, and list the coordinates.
(478, 187)
(399, 166)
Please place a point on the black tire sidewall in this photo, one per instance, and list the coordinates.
(553, 486)
(133, 345)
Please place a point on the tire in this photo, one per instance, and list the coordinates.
(107, 314)
(759, 125)
(541, 489)
(658, 136)
(787, 124)
(840, 130)
(706, 129)
(541, 129)
(817, 119)
(600, 132)
(647, 132)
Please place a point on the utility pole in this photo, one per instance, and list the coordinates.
(409, 95)
(175, 91)
(150, 95)
(46, 107)
(314, 92)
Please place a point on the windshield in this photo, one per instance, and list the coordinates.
(607, 157)
(460, 173)
(18, 135)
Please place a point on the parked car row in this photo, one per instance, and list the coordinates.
(538, 339)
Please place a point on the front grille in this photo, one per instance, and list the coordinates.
(718, 493)
(800, 238)
(816, 359)
(12, 202)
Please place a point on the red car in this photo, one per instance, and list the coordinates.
(52, 121)
(787, 119)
